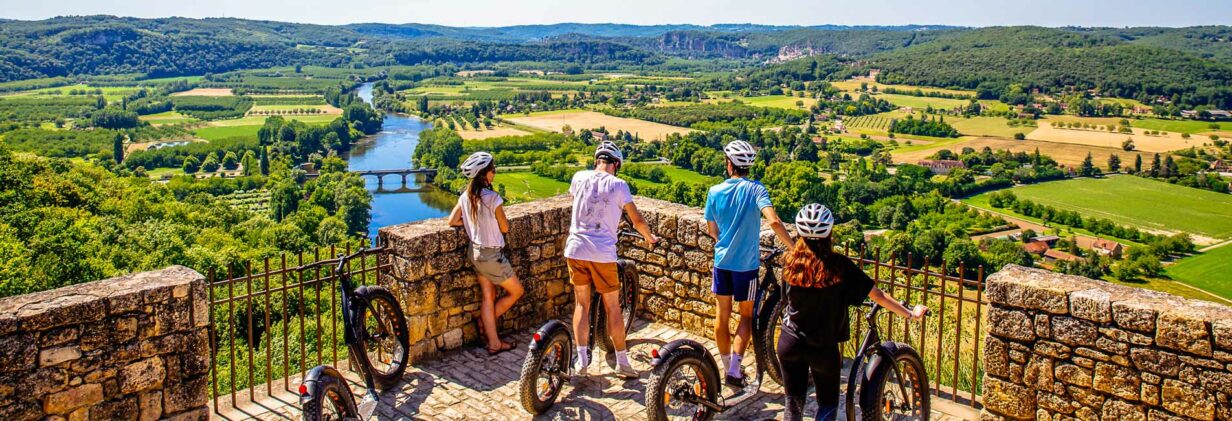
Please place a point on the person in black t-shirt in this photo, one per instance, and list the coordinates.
(821, 284)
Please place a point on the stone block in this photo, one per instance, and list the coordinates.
(190, 394)
(59, 336)
(1122, 411)
(53, 356)
(1222, 332)
(1011, 324)
(142, 375)
(1134, 315)
(1086, 397)
(1118, 381)
(18, 352)
(1074, 332)
(1038, 373)
(119, 409)
(1187, 400)
(1074, 375)
(1054, 403)
(1052, 349)
(1094, 305)
(77, 397)
(1155, 361)
(1183, 331)
(1008, 399)
(150, 406)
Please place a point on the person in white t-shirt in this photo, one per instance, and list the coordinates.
(599, 199)
(481, 213)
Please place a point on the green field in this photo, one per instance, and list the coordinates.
(215, 133)
(778, 101)
(1211, 271)
(111, 93)
(1146, 204)
(169, 117)
(1178, 126)
(524, 186)
(923, 102)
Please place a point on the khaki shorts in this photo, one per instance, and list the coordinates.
(491, 263)
(602, 275)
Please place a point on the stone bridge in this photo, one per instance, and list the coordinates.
(1055, 348)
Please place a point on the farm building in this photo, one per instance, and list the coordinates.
(942, 166)
(1050, 240)
(1108, 248)
(1058, 255)
(598, 136)
(1037, 248)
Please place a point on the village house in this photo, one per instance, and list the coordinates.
(941, 166)
(1055, 255)
(598, 136)
(1050, 240)
(1221, 166)
(1037, 248)
(1108, 248)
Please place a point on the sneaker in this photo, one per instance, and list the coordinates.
(736, 382)
(625, 371)
(580, 370)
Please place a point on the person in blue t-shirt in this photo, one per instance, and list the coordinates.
(734, 209)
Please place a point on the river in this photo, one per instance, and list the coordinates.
(392, 149)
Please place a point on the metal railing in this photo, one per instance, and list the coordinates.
(282, 318)
(279, 319)
(950, 340)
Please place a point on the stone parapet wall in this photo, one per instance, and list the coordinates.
(1062, 347)
(436, 285)
(132, 347)
(675, 276)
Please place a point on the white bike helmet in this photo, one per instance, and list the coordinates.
(475, 163)
(814, 221)
(609, 149)
(740, 153)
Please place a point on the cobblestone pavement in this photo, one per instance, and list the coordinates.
(469, 385)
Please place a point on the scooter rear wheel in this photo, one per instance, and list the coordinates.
(684, 374)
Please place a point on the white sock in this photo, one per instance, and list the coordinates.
(734, 369)
(583, 356)
(726, 361)
(622, 358)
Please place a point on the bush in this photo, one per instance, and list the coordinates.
(1020, 136)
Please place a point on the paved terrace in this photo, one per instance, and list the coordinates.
(467, 384)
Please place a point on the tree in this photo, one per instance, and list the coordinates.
(265, 165)
(210, 164)
(229, 161)
(1128, 144)
(1114, 163)
(1137, 163)
(118, 148)
(1170, 169)
(1155, 166)
(1087, 169)
(249, 163)
(1020, 136)
(191, 165)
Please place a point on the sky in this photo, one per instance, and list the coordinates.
(1114, 13)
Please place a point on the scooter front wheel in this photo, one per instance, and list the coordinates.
(332, 401)
(678, 382)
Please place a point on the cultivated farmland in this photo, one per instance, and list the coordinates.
(1102, 138)
(1211, 271)
(579, 119)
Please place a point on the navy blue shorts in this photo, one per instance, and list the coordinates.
(742, 286)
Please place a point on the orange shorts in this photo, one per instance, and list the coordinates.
(602, 275)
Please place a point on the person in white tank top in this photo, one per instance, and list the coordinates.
(481, 213)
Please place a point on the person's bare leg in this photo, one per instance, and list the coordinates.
(581, 315)
(615, 322)
(486, 308)
(513, 292)
(722, 333)
(745, 330)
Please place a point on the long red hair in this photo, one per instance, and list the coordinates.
(806, 264)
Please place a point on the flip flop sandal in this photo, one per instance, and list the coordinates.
(505, 346)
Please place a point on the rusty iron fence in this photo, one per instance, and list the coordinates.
(277, 320)
(951, 339)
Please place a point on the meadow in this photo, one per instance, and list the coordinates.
(1211, 271)
(524, 186)
(987, 126)
(1143, 203)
